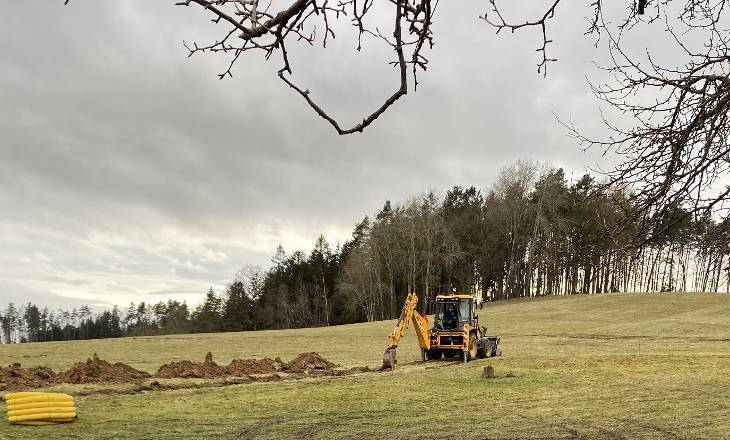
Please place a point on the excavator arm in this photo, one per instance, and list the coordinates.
(420, 325)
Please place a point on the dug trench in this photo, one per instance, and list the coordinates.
(128, 380)
(239, 371)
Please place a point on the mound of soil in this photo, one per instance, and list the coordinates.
(186, 369)
(96, 370)
(189, 369)
(44, 373)
(303, 363)
(241, 367)
(15, 377)
(308, 361)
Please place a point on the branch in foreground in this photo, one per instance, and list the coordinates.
(248, 28)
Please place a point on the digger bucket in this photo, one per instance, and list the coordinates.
(389, 359)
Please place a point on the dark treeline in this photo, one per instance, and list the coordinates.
(534, 233)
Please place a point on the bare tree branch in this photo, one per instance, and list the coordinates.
(500, 24)
(676, 153)
(248, 28)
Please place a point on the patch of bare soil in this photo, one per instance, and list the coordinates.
(188, 369)
(239, 367)
(45, 373)
(185, 369)
(97, 370)
(305, 362)
(229, 381)
(239, 371)
(15, 377)
(157, 386)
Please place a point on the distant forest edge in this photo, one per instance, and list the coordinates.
(534, 233)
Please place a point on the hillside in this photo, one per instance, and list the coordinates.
(588, 367)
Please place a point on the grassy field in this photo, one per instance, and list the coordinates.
(652, 366)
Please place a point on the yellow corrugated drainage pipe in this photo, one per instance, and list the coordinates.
(36, 408)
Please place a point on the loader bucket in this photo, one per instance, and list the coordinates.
(389, 359)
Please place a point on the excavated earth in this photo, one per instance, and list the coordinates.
(96, 370)
(188, 369)
(15, 377)
(303, 363)
(239, 371)
(254, 366)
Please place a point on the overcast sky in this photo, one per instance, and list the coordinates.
(129, 172)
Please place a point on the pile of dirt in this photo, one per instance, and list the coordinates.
(189, 369)
(96, 370)
(240, 367)
(45, 374)
(307, 362)
(239, 371)
(186, 369)
(15, 377)
(303, 363)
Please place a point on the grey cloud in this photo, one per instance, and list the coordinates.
(140, 176)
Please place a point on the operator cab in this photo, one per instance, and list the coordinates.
(452, 311)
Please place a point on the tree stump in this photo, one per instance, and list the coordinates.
(488, 372)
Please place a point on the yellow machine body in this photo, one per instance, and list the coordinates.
(464, 338)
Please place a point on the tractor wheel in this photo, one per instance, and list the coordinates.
(472, 353)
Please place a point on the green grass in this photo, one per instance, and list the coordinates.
(585, 367)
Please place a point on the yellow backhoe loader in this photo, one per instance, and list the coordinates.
(456, 331)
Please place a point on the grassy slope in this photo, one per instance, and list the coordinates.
(611, 366)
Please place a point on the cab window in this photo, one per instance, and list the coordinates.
(465, 311)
